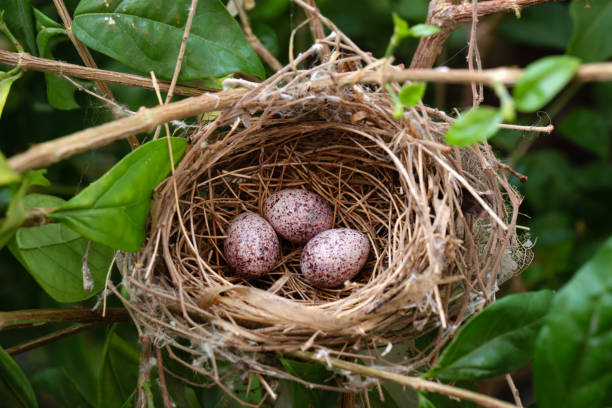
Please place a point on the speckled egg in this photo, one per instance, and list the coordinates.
(251, 247)
(334, 256)
(297, 215)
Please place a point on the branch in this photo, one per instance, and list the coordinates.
(51, 337)
(412, 382)
(449, 17)
(147, 119)
(259, 48)
(28, 62)
(39, 317)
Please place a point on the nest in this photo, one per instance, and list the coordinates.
(441, 224)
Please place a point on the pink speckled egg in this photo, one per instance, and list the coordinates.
(297, 215)
(334, 256)
(251, 247)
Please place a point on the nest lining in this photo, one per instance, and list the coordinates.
(436, 250)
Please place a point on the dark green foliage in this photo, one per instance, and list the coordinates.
(15, 389)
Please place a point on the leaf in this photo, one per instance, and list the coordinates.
(497, 340)
(53, 255)
(60, 92)
(5, 88)
(424, 402)
(572, 352)
(592, 37)
(423, 30)
(146, 36)
(113, 210)
(16, 211)
(18, 17)
(542, 80)
(412, 93)
(58, 389)
(304, 397)
(587, 129)
(476, 125)
(7, 174)
(15, 389)
(118, 373)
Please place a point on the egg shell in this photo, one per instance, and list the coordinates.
(334, 256)
(297, 215)
(251, 247)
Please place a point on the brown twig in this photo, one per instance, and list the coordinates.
(448, 17)
(316, 27)
(146, 120)
(412, 382)
(51, 338)
(181, 55)
(515, 391)
(38, 317)
(144, 370)
(29, 62)
(474, 56)
(162, 378)
(259, 48)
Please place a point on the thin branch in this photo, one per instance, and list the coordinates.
(412, 382)
(28, 62)
(146, 120)
(39, 317)
(144, 371)
(51, 337)
(162, 378)
(259, 48)
(515, 391)
(448, 17)
(181, 55)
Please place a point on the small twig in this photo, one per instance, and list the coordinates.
(51, 338)
(87, 57)
(39, 317)
(412, 382)
(95, 95)
(539, 129)
(29, 62)
(515, 391)
(316, 26)
(473, 55)
(87, 281)
(5, 30)
(162, 378)
(259, 48)
(181, 55)
(522, 178)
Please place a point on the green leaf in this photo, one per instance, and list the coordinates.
(7, 174)
(53, 255)
(572, 353)
(424, 402)
(15, 389)
(118, 373)
(588, 129)
(60, 92)
(5, 88)
(401, 29)
(423, 30)
(412, 93)
(497, 340)
(476, 125)
(57, 389)
(16, 212)
(18, 17)
(304, 397)
(113, 210)
(146, 36)
(542, 80)
(592, 37)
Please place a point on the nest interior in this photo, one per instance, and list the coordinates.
(441, 224)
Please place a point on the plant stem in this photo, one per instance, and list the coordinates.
(5, 30)
(39, 317)
(412, 382)
(52, 337)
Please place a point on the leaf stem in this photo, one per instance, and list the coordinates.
(5, 30)
(52, 337)
(39, 317)
(412, 382)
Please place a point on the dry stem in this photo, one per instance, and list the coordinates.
(28, 62)
(51, 337)
(259, 48)
(412, 382)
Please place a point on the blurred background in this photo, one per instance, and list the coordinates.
(567, 198)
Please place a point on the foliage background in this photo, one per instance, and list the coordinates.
(567, 197)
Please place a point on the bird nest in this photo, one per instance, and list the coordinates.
(441, 225)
